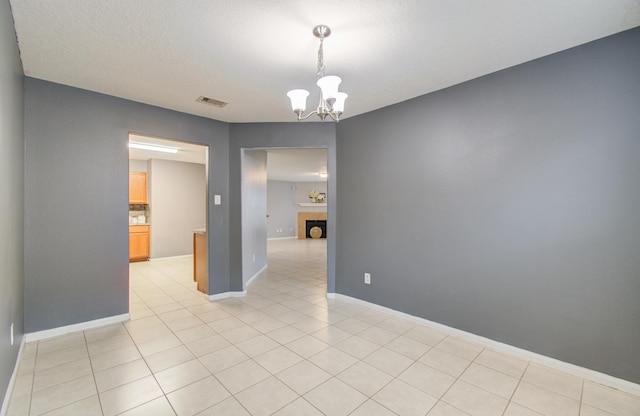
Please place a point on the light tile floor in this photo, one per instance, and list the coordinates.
(284, 349)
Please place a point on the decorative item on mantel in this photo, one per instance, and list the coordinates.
(313, 195)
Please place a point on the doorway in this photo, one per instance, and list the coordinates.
(173, 201)
(278, 186)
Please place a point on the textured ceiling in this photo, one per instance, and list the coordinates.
(249, 53)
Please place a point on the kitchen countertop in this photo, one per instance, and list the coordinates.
(200, 231)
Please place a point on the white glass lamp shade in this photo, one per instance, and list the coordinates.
(329, 86)
(298, 100)
(338, 106)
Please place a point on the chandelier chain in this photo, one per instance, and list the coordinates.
(321, 67)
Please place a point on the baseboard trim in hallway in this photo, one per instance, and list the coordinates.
(81, 326)
(553, 363)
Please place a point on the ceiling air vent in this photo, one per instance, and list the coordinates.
(211, 101)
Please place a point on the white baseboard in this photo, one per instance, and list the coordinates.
(553, 363)
(246, 285)
(225, 295)
(12, 381)
(82, 326)
(293, 237)
(171, 257)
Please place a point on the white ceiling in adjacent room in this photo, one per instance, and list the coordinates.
(250, 53)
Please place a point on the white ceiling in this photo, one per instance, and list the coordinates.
(187, 152)
(251, 52)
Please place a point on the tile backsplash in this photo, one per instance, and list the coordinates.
(136, 210)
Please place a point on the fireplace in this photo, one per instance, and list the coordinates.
(302, 221)
(321, 224)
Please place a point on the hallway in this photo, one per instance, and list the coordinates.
(283, 349)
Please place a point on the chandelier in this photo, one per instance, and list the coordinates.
(331, 100)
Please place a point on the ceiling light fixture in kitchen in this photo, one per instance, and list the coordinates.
(152, 147)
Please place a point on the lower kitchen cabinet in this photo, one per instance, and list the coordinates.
(139, 242)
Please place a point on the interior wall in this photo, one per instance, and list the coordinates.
(281, 209)
(506, 206)
(177, 206)
(76, 199)
(276, 135)
(254, 213)
(11, 197)
(136, 165)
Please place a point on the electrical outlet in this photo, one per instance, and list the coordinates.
(11, 336)
(367, 278)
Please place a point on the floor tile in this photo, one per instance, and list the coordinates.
(129, 395)
(333, 361)
(60, 374)
(404, 399)
(445, 362)
(460, 348)
(357, 347)
(307, 346)
(195, 333)
(425, 335)
(514, 409)
(408, 347)
(545, 401)
(64, 356)
(196, 397)
(388, 361)
(181, 375)
(62, 395)
(257, 345)
(509, 365)
(115, 357)
(121, 374)
(89, 406)
(395, 325)
(242, 376)
(207, 345)
(365, 378)
(168, 358)
(61, 342)
(443, 409)
(156, 407)
(427, 379)
(266, 397)
(286, 334)
(335, 398)
(610, 400)
(372, 408)
(299, 407)
(303, 377)
(331, 335)
(377, 335)
(277, 359)
(490, 380)
(554, 381)
(227, 407)
(475, 401)
(222, 359)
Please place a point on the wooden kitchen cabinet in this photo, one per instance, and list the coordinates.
(139, 242)
(200, 270)
(137, 187)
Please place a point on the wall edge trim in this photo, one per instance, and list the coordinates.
(12, 381)
(82, 326)
(252, 278)
(225, 295)
(553, 363)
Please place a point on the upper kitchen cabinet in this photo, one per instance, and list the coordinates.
(138, 188)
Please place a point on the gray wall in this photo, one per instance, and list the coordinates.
(76, 207)
(177, 206)
(11, 196)
(277, 135)
(136, 165)
(254, 213)
(281, 208)
(506, 206)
